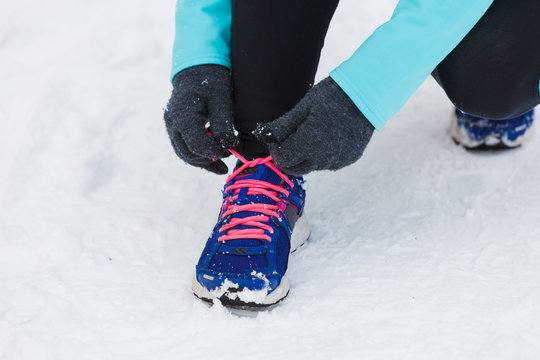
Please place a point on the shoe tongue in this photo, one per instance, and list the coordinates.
(260, 172)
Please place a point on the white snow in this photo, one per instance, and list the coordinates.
(421, 250)
(255, 296)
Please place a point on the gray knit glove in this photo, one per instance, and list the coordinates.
(324, 131)
(199, 116)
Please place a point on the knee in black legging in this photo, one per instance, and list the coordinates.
(494, 71)
(484, 91)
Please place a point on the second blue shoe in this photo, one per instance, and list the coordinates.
(475, 132)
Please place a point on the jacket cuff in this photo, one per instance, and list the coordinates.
(357, 97)
(200, 60)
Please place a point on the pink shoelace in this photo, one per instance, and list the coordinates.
(257, 223)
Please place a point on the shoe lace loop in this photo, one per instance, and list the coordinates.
(257, 223)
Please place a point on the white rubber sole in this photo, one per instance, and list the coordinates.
(245, 297)
(460, 136)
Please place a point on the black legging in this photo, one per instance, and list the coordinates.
(276, 47)
(494, 71)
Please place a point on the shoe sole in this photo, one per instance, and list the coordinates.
(235, 297)
(487, 143)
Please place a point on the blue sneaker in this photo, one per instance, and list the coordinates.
(245, 259)
(474, 132)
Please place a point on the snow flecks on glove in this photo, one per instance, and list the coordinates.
(199, 116)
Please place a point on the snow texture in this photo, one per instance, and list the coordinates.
(421, 250)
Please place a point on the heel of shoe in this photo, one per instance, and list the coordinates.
(301, 232)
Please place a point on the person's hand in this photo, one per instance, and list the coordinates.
(324, 131)
(199, 116)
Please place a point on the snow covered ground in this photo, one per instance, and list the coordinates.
(419, 251)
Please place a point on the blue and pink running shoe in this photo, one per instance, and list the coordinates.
(244, 262)
(476, 133)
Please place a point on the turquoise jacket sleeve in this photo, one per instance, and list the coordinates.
(394, 61)
(203, 34)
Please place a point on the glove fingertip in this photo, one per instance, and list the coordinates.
(217, 167)
(227, 140)
(265, 134)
